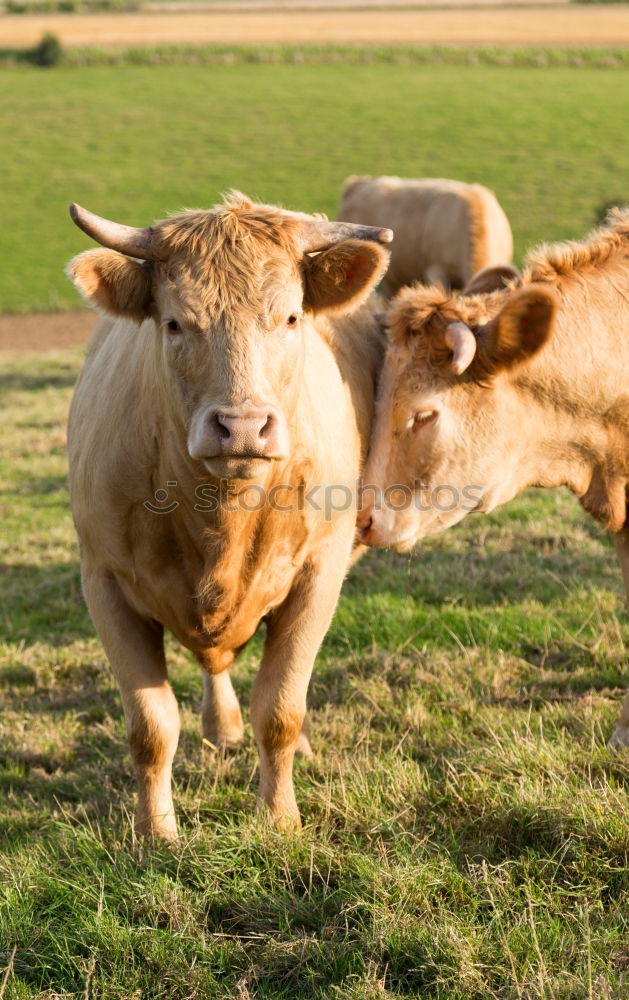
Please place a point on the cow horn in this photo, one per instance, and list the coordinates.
(318, 234)
(462, 342)
(126, 239)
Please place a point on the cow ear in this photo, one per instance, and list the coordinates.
(113, 283)
(520, 329)
(491, 279)
(339, 279)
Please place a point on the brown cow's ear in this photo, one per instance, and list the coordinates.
(491, 279)
(113, 283)
(339, 279)
(520, 329)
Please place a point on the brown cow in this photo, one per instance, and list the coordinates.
(216, 435)
(486, 394)
(445, 231)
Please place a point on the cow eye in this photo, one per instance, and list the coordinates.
(424, 418)
(173, 326)
(292, 320)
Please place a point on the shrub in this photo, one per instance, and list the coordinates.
(49, 51)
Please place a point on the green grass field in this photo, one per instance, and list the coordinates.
(137, 143)
(466, 830)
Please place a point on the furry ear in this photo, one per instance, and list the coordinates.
(113, 283)
(520, 329)
(411, 311)
(491, 279)
(339, 279)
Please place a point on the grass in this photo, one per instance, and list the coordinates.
(550, 56)
(138, 142)
(466, 831)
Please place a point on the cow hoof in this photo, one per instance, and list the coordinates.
(159, 830)
(280, 814)
(619, 739)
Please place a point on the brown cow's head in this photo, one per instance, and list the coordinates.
(230, 291)
(447, 418)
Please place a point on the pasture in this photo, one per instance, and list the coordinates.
(136, 143)
(466, 831)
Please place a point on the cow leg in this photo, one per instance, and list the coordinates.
(135, 649)
(220, 712)
(620, 736)
(278, 699)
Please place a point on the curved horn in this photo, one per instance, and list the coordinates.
(125, 239)
(319, 234)
(462, 342)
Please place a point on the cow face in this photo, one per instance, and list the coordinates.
(448, 416)
(232, 293)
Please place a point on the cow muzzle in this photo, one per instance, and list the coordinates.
(234, 440)
(381, 529)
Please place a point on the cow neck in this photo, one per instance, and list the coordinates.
(575, 404)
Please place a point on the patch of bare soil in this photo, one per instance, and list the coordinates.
(567, 25)
(39, 332)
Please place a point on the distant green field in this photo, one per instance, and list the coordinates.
(137, 143)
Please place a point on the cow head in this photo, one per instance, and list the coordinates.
(231, 292)
(449, 413)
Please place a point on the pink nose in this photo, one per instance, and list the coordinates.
(255, 431)
(364, 524)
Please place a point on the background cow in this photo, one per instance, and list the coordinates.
(445, 231)
(487, 394)
(234, 380)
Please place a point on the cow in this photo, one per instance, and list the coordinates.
(445, 231)
(215, 438)
(485, 394)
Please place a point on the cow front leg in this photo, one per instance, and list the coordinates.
(220, 712)
(278, 699)
(135, 649)
(620, 736)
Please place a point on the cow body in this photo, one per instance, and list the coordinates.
(490, 393)
(445, 231)
(243, 562)
(199, 516)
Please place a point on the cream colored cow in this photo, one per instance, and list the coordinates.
(486, 394)
(445, 231)
(212, 420)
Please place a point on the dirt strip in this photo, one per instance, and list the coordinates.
(45, 331)
(570, 25)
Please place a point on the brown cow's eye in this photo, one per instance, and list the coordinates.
(173, 326)
(292, 320)
(424, 418)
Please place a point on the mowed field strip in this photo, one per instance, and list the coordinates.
(592, 25)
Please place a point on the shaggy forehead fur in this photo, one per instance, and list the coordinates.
(232, 262)
(429, 309)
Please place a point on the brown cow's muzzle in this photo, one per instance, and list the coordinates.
(381, 528)
(234, 441)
